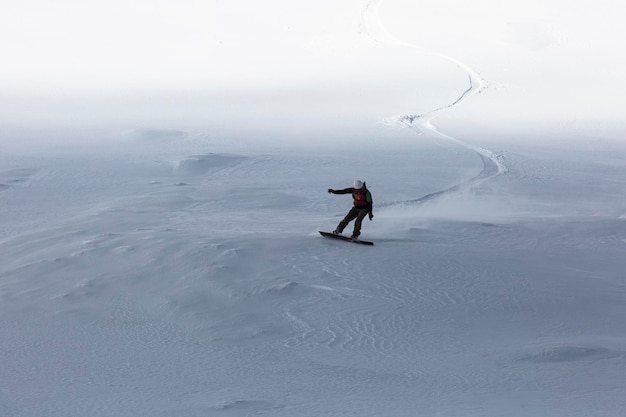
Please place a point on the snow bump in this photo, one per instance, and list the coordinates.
(203, 164)
(570, 354)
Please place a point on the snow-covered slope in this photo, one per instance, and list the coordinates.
(151, 279)
(159, 253)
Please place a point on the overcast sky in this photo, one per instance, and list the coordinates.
(86, 44)
(548, 53)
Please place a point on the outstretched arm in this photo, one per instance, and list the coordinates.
(344, 191)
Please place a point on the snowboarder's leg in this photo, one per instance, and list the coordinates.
(357, 224)
(352, 214)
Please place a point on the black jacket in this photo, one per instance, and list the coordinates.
(368, 197)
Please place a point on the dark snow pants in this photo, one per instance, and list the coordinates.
(355, 213)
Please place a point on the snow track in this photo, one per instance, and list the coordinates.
(493, 165)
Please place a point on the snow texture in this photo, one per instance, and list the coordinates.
(159, 249)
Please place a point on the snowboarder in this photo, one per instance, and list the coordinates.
(363, 206)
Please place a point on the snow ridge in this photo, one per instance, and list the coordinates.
(372, 27)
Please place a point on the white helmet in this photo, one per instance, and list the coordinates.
(358, 184)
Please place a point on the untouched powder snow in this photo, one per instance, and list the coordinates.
(159, 249)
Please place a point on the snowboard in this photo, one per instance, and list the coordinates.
(348, 239)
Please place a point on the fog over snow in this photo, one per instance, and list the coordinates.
(163, 177)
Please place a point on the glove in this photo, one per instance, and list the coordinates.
(371, 215)
(331, 191)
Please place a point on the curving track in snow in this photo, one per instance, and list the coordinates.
(493, 165)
